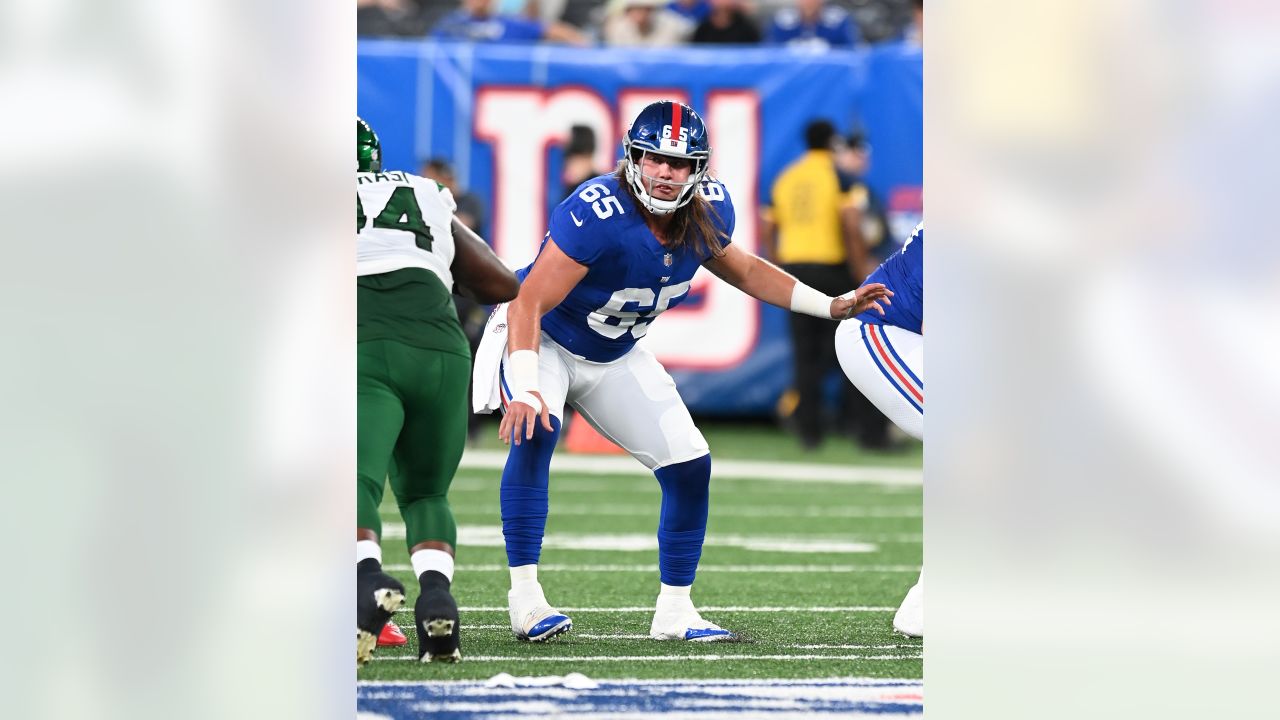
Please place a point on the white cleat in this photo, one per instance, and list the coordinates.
(532, 618)
(909, 620)
(679, 620)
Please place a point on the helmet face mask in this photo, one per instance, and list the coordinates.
(368, 148)
(666, 129)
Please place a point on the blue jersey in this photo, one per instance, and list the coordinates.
(631, 278)
(903, 273)
(462, 25)
(832, 28)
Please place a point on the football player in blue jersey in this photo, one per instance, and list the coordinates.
(621, 250)
(883, 355)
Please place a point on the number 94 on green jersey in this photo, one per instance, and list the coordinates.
(403, 221)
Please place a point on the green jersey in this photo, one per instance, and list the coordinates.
(404, 254)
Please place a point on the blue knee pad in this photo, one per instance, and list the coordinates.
(686, 488)
(524, 494)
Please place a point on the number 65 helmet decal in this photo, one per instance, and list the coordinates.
(671, 129)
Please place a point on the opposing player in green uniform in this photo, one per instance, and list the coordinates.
(413, 363)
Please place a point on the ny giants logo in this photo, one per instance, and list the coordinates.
(519, 125)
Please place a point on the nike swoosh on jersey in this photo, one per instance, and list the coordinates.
(576, 221)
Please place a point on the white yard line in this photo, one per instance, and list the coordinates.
(773, 511)
(735, 469)
(653, 568)
(642, 636)
(820, 646)
(656, 658)
(707, 608)
(491, 536)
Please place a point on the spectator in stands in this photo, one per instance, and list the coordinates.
(383, 18)
(584, 14)
(476, 21)
(815, 241)
(695, 11)
(813, 24)
(914, 34)
(728, 24)
(644, 23)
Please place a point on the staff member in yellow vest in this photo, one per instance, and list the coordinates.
(810, 228)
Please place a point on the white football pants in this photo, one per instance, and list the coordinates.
(632, 401)
(886, 364)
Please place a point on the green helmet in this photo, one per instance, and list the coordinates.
(368, 149)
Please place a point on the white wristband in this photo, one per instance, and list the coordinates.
(527, 398)
(805, 299)
(522, 371)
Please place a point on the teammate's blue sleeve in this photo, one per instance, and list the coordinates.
(577, 231)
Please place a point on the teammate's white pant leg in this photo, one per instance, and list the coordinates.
(886, 364)
(633, 402)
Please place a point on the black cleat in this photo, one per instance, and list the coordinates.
(436, 620)
(378, 596)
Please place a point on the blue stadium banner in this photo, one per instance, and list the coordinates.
(502, 114)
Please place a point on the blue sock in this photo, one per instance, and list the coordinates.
(683, 523)
(524, 495)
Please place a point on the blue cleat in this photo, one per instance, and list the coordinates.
(708, 634)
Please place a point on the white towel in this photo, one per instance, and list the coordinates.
(486, 393)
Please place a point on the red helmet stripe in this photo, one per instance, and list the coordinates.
(675, 122)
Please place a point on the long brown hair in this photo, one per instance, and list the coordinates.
(691, 224)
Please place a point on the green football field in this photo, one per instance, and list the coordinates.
(806, 558)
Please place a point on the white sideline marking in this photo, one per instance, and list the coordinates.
(708, 608)
(660, 658)
(653, 568)
(725, 469)
(830, 682)
(491, 536)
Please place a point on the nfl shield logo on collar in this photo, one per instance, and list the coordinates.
(666, 259)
